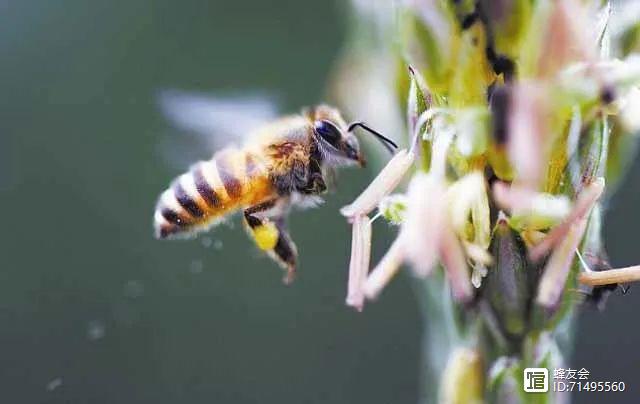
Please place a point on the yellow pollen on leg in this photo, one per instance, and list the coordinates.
(266, 236)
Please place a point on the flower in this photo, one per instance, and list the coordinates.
(434, 227)
(518, 112)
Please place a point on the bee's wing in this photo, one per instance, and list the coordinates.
(205, 123)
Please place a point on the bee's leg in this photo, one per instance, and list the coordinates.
(263, 230)
(315, 183)
(315, 186)
(285, 252)
(265, 223)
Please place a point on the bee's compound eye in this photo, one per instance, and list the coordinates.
(328, 132)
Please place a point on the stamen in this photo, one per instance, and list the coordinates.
(477, 274)
(359, 264)
(424, 222)
(527, 130)
(384, 271)
(610, 276)
(468, 204)
(455, 266)
(381, 186)
(557, 269)
(583, 205)
(477, 253)
(531, 210)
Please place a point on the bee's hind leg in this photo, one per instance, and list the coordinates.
(285, 252)
(266, 225)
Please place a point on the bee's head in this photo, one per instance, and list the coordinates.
(335, 139)
(335, 143)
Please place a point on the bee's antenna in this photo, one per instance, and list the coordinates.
(388, 143)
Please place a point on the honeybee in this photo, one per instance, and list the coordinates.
(280, 165)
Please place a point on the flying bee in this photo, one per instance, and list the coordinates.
(282, 164)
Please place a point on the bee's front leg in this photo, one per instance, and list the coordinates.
(315, 186)
(266, 225)
(315, 183)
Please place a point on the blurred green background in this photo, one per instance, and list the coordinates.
(94, 310)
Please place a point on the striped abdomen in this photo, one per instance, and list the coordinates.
(211, 189)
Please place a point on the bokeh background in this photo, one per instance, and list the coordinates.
(94, 310)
